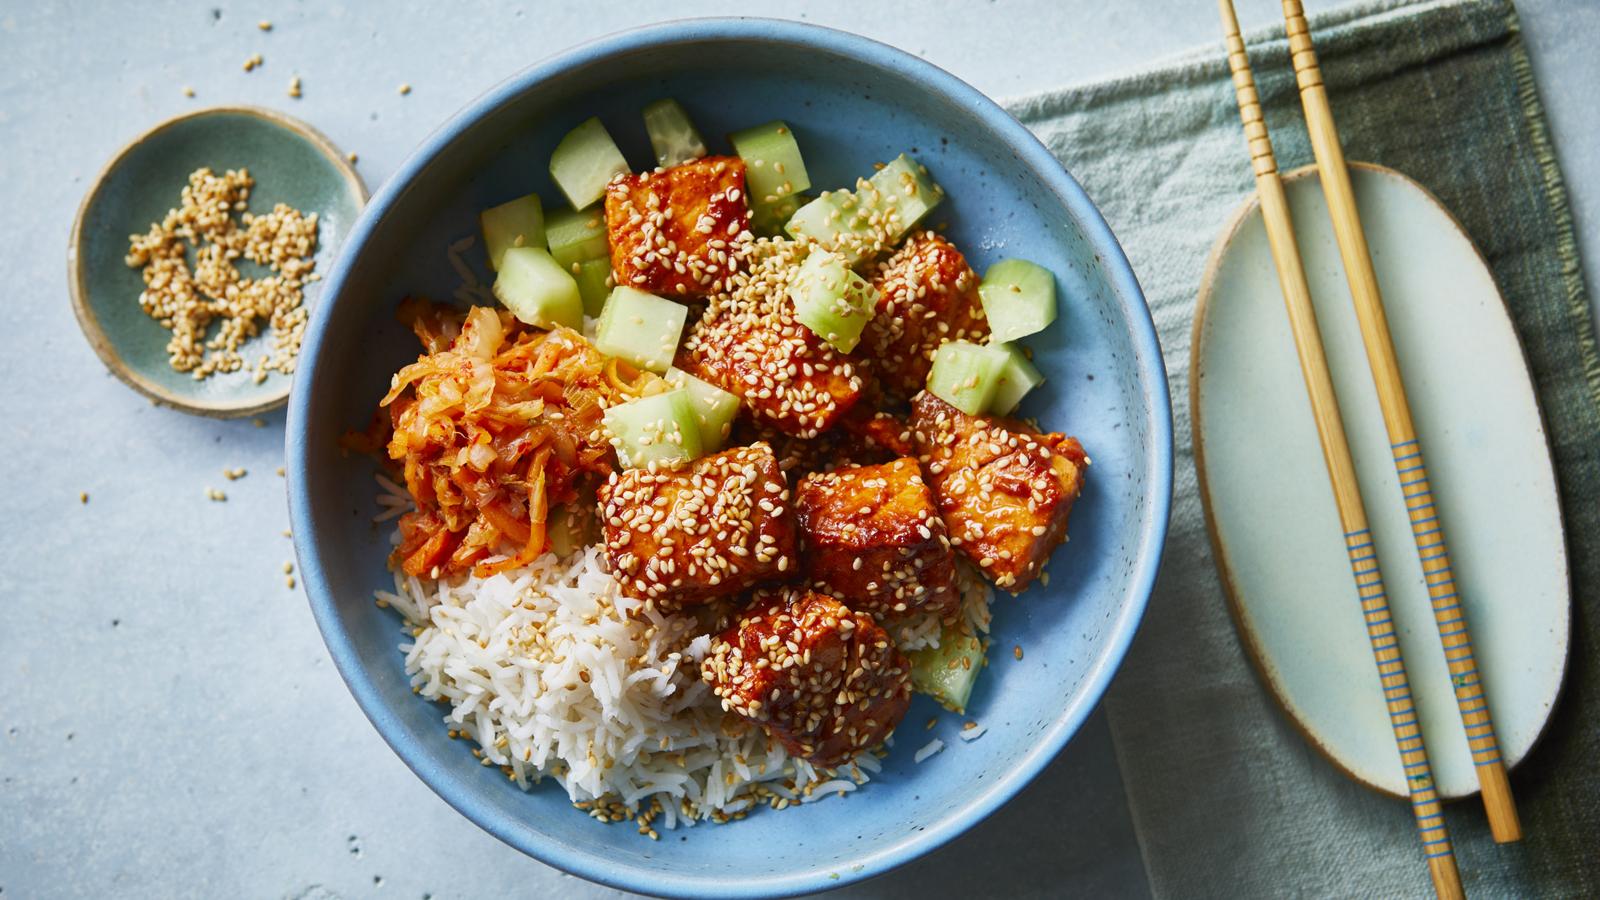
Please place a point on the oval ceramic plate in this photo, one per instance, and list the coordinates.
(291, 163)
(1272, 518)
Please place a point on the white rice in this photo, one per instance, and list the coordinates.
(928, 749)
(973, 733)
(553, 673)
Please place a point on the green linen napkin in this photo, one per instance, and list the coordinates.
(1228, 800)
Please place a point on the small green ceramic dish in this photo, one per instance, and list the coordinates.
(290, 162)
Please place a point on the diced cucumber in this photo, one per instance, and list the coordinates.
(1019, 298)
(585, 162)
(594, 284)
(768, 219)
(577, 237)
(947, 672)
(714, 408)
(672, 135)
(965, 375)
(903, 193)
(834, 221)
(831, 300)
(519, 223)
(773, 168)
(537, 289)
(1017, 377)
(658, 428)
(640, 328)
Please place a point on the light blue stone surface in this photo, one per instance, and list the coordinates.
(170, 725)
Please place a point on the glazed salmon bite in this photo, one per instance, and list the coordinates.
(824, 680)
(682, 537)
(672, 230)
(1004, 488)
(872, 537)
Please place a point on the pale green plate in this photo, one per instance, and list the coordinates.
(291, 163)
(1277, 535)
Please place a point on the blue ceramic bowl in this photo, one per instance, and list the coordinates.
(852, 102)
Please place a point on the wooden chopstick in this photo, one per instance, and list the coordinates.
(1426, 531)
(1425, 805)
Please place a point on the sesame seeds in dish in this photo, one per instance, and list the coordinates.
(210, 308)
(704, 477)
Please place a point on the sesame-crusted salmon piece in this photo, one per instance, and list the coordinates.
(749, 343)
(873, 537)
(673, 231)
(682, 536)
(823, 680)
(927, 295)
(1005, 490)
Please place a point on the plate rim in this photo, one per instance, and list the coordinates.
(1254, 652)
(77, 276)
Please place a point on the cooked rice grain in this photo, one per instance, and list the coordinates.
(554, 674)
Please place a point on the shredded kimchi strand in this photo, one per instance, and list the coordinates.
(492, 425)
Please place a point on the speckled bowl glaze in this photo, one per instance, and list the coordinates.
(291, 163)
(851, 101)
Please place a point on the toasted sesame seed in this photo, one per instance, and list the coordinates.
(210, 309)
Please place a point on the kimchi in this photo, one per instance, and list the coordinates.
(495, 425)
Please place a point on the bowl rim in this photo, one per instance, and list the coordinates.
(1036, 158)
(103, 344)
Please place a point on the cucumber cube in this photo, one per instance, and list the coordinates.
(672, 135)
(537, 289)
(965, 375)
(773, 167)
(714, 408)
(947, 672)
(519, 223)
(585, 162)
(576, 237)
(768, 219)
(903, 193)
(641, 328)
(836, 222)
(1017, 378)
(657, 428)
(831, 300)
(594, 284)
(1019, 299)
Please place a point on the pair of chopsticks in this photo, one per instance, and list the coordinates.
(1404, 446)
